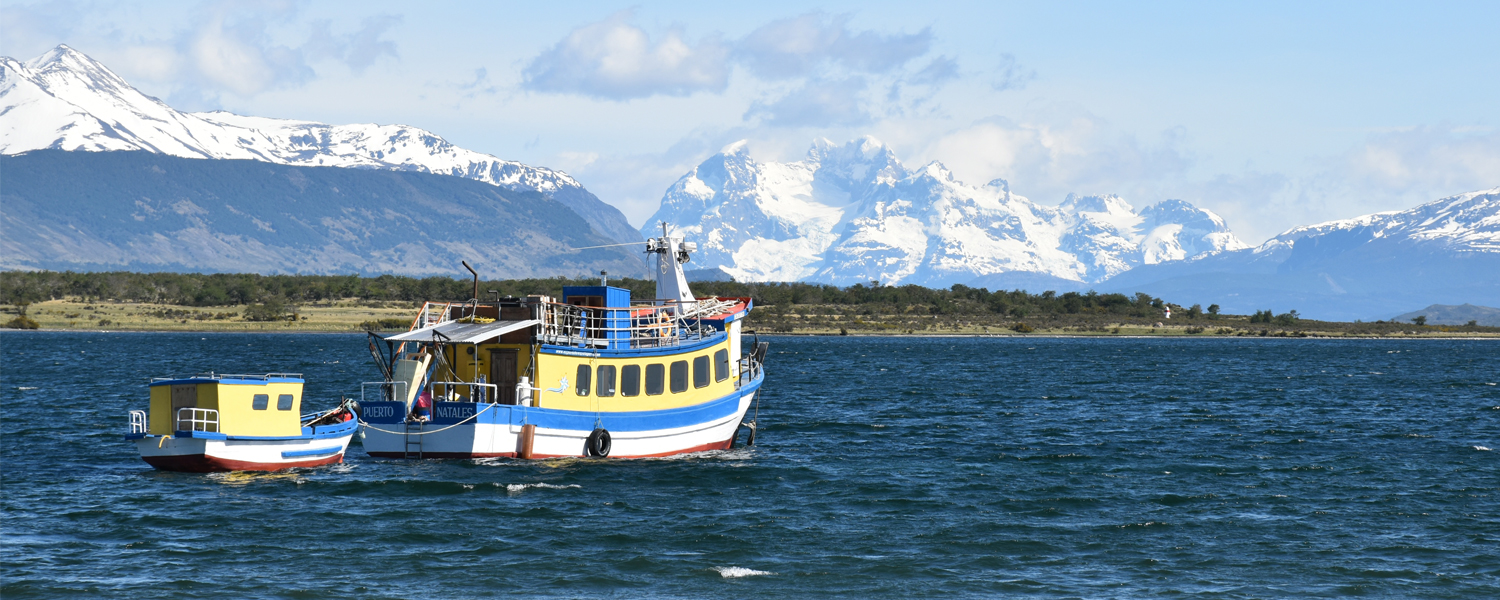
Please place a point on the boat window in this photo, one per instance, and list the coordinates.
(630, 380)
(606, 385)
(655, 374)
(700, 372)
(284, 402)
(679, 376)
(721, 365)
(582, 383)
(260, 402)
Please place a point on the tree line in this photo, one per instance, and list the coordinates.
(222, 289)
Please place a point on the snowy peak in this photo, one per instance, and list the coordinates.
(65, 100)
(1468, 222)
(853, 213)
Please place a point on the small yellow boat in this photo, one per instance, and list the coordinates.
(215, 422)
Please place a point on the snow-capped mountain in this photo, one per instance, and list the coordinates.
(853, 213)
(65, 100)
(1443, 252)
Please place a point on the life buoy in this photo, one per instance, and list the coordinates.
(598, 443)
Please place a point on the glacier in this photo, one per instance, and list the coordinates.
(853, 213)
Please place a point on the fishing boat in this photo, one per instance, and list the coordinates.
(214, 422)
(593, 373)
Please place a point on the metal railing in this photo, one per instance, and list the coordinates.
(217, 376)
(644, 324)
(138, 421)
(388, 391)
(198, 419)
(486, 392)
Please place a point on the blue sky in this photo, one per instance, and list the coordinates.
(1272, 114)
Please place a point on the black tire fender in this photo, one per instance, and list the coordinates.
(598, 443)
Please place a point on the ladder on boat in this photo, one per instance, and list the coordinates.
(414, 442)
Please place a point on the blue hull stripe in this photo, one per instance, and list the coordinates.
(549, 418)
(312, 452)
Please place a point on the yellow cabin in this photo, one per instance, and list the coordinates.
(234, 405)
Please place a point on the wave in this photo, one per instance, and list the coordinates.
(731, 572)
(516, 488)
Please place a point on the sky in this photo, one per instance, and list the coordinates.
(1272, 114)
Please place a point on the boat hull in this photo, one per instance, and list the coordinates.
(205, 455)
(495, 431)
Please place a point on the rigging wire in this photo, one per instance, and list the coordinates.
(607, 246)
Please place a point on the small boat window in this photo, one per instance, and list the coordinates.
(284, 402)
(260, 402)
(679, 376)
(585, 373)
(721, 365)
(655, 376)
(630, 380)
(700, 372)
(606, 386)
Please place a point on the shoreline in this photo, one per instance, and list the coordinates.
(1042, 335)
(357, 317)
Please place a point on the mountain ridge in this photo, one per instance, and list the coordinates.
(1446, 251)
(853, 213)
(65, 100)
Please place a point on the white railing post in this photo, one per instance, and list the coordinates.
(198, 419)
(137, 421)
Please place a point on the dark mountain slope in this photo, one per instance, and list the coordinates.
(146, 211)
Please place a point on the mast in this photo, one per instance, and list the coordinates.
(671, 253)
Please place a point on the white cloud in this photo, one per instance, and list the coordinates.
(360, 49)
(222, 47)
(1010, 75)
(826, 64)
(805, 44)
(816, 103)
(1045, 159)
(1422, 159)
(615, 60)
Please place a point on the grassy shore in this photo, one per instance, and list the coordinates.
(360, 315)
(341, 316)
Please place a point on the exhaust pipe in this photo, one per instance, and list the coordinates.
(476, 278)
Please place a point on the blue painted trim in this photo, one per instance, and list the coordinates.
(312, 452)
(313, 433)
(195, 380)
(136, 436)
(648, 420)
(710, 341)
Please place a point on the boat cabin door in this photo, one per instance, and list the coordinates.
(503, 373)
(183, 396)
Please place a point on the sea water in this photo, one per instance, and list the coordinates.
(1009, 467)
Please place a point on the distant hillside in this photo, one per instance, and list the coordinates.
(141, 211)
(1442, 314)
(1443, 252)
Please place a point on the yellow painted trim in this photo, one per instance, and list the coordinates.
(553, 367)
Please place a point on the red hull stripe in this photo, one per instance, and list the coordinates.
(724, 445)
(199, 463)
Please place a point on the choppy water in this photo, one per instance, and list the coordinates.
(885, 467)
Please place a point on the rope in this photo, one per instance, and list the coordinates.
(363, 423)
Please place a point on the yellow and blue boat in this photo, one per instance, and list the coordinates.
(214, 422)
(593, 373)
